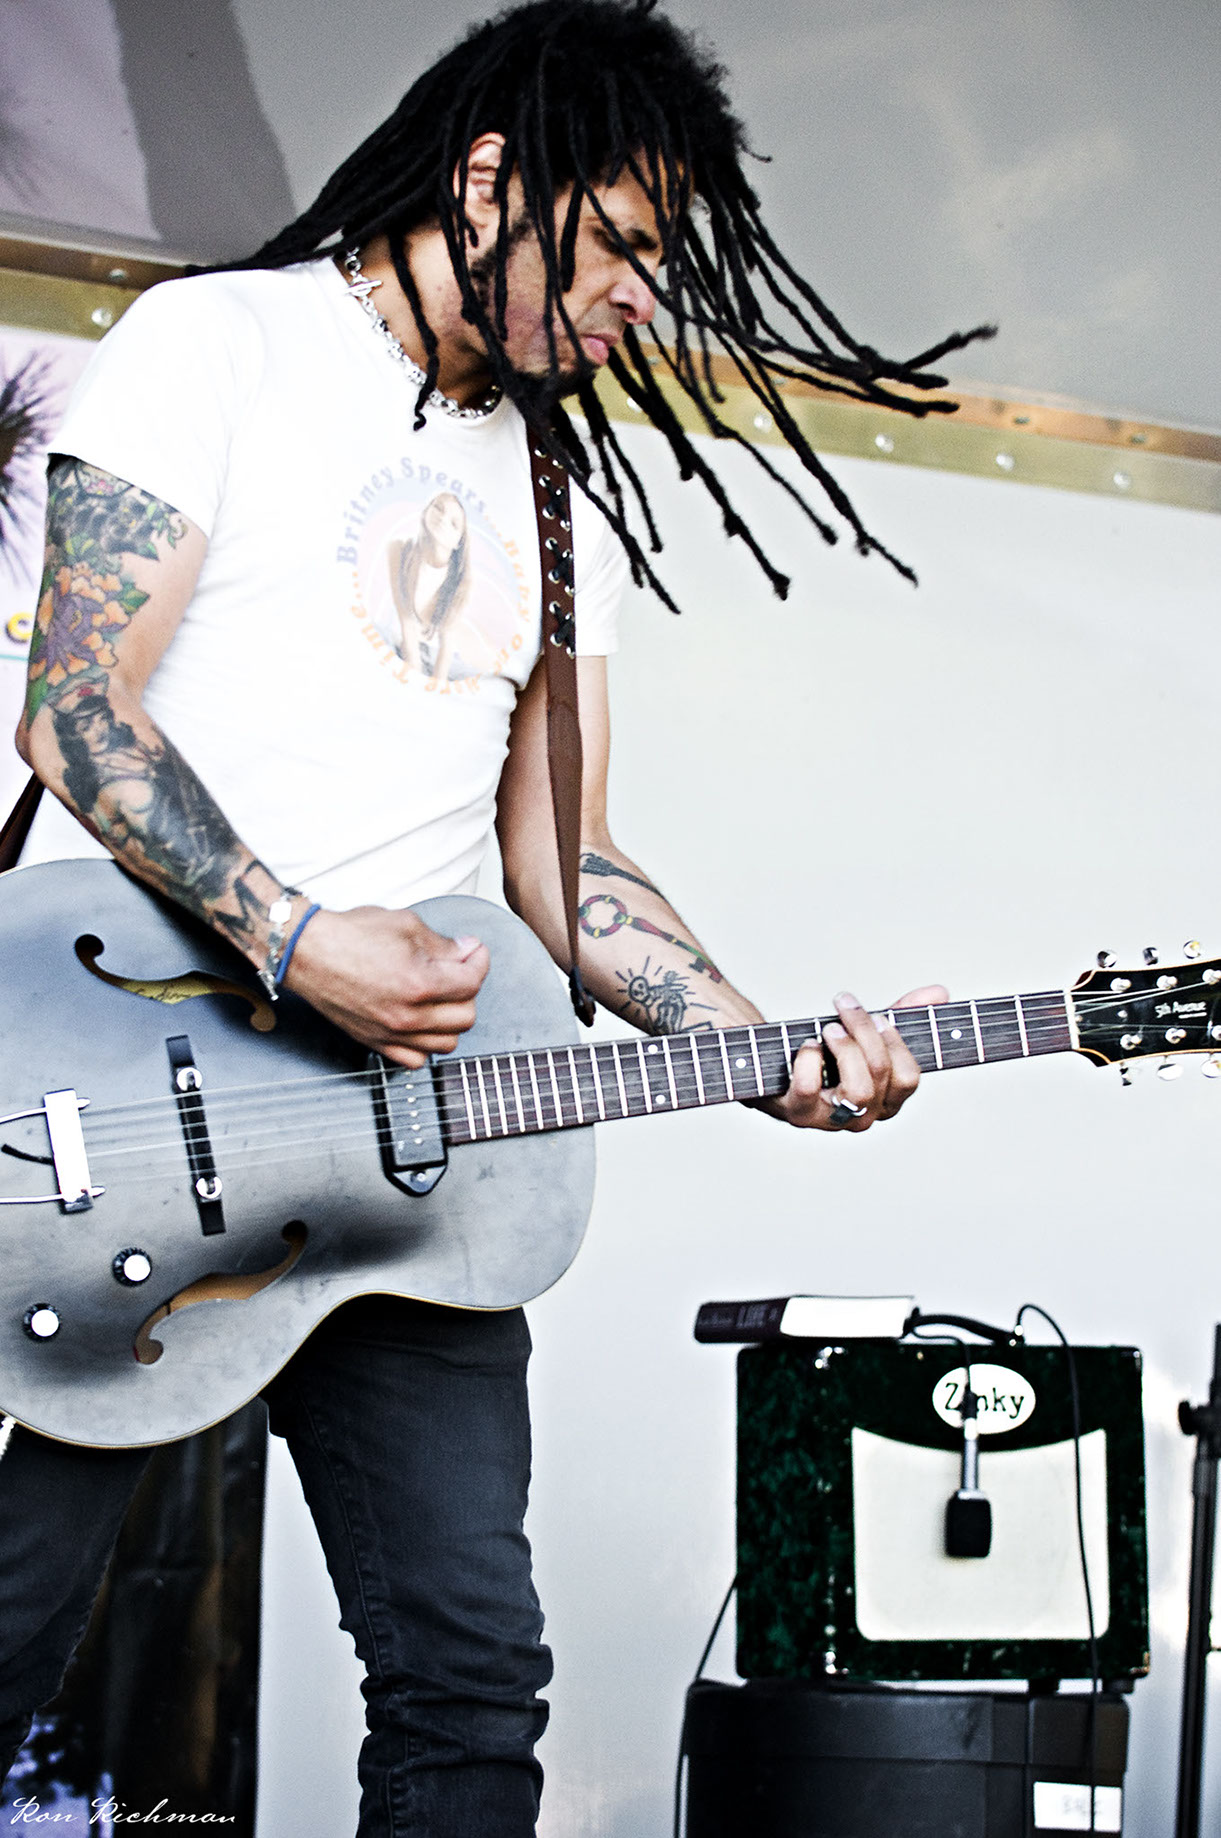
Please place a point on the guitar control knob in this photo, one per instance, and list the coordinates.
(1193, 949)
(1167, 982)
(1129, 1042)
(1150, 954)
(1106, 960)
(1170, 1069)
(132, 1267)
(1175, 1035)
(41, 1322)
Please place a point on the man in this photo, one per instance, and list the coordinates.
(212, 695)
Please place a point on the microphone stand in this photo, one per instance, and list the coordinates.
(1203, 1421)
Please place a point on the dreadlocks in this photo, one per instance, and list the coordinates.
(583, 91)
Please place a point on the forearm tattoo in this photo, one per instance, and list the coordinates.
(598, 864)
(135, 792)
(663, 997)
(601, 916)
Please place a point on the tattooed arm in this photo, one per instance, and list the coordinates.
(120, 571)
(638, 957)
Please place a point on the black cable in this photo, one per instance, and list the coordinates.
(1032, 1308)
(682, 1734)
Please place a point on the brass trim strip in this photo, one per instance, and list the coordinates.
(1070, 447)
(76, 257)
(80, 285)
(53, 303)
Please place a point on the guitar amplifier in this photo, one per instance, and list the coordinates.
(847, 1456)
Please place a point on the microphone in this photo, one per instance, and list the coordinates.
(968, 1513)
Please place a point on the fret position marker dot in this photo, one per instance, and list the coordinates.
(740, 1064)
(955, 1033)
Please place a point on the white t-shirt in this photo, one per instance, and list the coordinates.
(369, 605)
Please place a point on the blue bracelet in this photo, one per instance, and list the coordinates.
(291, 946)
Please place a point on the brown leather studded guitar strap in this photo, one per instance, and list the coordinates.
(17, 825)
(554, 516)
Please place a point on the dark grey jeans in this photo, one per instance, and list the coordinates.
(409, 1427)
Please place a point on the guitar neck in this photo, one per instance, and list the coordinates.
(556, 1088)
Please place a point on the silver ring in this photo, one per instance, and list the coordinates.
(844, 1111)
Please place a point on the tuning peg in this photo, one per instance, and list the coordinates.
(1125, 1073)
(1212, 1066)
(1107, 960)
(1150, 955)
(1170, 1069)
(1193, 949)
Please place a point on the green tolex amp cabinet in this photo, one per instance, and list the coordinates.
(847, 1456)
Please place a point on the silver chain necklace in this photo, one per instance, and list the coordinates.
(361, 290)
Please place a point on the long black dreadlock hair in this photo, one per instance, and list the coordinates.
(583, 91)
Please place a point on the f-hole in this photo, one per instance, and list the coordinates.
(174, 989)
(218, 1287)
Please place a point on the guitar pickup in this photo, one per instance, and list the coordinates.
(187, 1082)
(408, 1122)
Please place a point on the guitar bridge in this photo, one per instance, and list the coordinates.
(62, 1110)
(408, 1124)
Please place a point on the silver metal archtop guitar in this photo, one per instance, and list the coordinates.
(191, 1178)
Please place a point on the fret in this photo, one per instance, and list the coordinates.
(665, 1051)
(500, 1096)
(623, 1104)
(576, 1088)
(754, 1053)
(644, 1077)
(538, 1103)
(1051, 1025)
(597, 1079)
(979, 1039)
(466, 1098)
(787, 1047)
(483, 1099)
(717, 1089)
(585, 1081)
(656, 1060)
(1021, 1021)
(776, 1053)
(695, 1067)
(729, 1091)
(521, 1113)
(555, 1090)
(933, 1028)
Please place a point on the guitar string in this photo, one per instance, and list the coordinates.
(947, 1011)
(517, 1122)
(291, 1094)
(452, 1107)
(362, 1139)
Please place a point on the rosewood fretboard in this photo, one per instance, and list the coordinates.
(519, 1094)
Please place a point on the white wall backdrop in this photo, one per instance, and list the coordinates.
(984, 782)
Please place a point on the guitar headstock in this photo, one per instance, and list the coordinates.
(1158, 1009)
